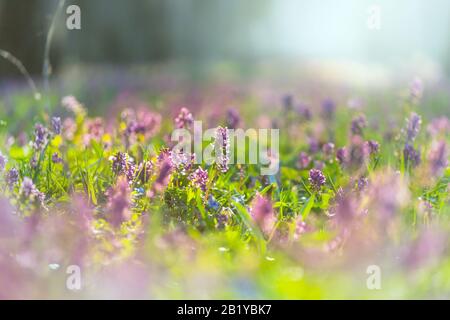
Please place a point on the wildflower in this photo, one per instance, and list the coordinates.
(73, 105)
(56, 125)
(358, 124)
(184, 119)
(140, 123)
(413, 127)
(300, 228)
(95, 130)
(262, 213)
(342, 155)
(438, 158)
(183, 161)
(164, 174)
(438, 126)
(319, 164)
(373, 147)
(411, 156)
(119, 203)
(200, 178)
(29, 190)
(233, 118)
(313, 145)
(328, 109)
(222, 146)
(358, 152)
(69, 128)
(122, 164)
(316, 179)
(362, 183)
(12, 177)
(3, 161)
(328, 149)
(387, 194)
(304, 112)
(212, 203)
(416, 88)
(345, 210)
(40, 137)
(303, 160)
(56, 158)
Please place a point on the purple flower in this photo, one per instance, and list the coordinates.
(358, 124)
(316, 179)
(328, 149)
(262, 213)
(40, 137)
(56, 158)
(328, 109)
(183, 161)
(56, 125)
(165, 170)
(12, 177)
(303, 160)
(304, 112)
(416, 88)
(184, 119)
(363, 182)
(413, 127)
(373, 147)
(222, 147)
(72, 104)
(411, 155)
(342, 155)
(200, 178)
(233, 118)
(314, 145)
(3, 161)
(29, 190)
(438, 158)
(119, 203)
(122, 164)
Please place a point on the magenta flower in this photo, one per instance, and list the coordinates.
(200, 178)
(438, 158)
(119, 203)
(185, 119)
(262, 213)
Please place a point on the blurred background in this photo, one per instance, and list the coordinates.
(121, 32)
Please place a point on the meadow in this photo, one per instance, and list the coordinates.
(94, 205)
